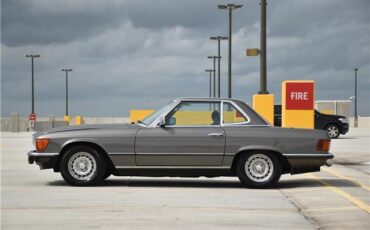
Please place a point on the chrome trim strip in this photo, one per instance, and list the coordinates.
(313, 155)
(155, 123)
(193, 126)
(130, 154)
(181, 154)
(173, 167)
(239, 110)
(212, 126)
(33, 153)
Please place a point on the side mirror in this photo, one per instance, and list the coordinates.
(162, 122)
(172, 121)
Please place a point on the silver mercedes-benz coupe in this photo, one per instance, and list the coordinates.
(189, 137)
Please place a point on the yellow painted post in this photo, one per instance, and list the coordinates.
(78, 120)
(67, 119)
(263, 104)
(297, 105)
(136, 115)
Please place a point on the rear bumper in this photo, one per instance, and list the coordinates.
(44, 160)
(302, 163)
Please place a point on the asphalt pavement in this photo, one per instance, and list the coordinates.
(335, 198)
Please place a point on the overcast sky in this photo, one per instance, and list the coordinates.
(140, 54)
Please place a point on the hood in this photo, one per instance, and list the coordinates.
(333, 116)
(85, 127)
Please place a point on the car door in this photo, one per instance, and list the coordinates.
(192, 136)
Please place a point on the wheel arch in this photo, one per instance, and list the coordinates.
(286, 167)
(84, 142)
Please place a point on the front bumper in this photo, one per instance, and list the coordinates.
(344, 129)
(44, 160)
(302, 163)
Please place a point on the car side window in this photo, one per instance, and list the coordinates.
(232, 115)
(194, 114)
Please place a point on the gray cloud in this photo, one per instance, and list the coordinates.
(140, 54)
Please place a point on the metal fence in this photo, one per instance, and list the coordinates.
(336, 107)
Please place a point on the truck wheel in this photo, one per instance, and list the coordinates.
(259, 169)
(82, 166)
(333, 131)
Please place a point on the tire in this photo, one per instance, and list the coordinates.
(82, 166)
(259, 169)
(333, 131)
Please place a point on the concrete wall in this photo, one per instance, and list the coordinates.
(363, 122)
(105, 120)
(15, 123)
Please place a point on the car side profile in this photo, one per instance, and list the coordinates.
(334, 125)
(189, 137)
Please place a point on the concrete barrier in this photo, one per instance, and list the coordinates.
(363, 122)
(105, 120)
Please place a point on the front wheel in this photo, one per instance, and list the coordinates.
(333, 131)
(82, 166)
(259, 169)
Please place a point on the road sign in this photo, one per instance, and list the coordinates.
(252, 52)
(297, 106)
(32, 117)
(299, 95)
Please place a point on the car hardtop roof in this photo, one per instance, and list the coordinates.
(206, 99)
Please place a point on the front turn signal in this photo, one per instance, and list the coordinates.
(41, 144)
(323, 145)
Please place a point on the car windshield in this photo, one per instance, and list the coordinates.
(152, 117)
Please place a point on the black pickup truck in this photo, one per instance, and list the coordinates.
(334, 125)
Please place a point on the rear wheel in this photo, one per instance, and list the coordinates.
(82, 166)
(259, 169)
(333, 131)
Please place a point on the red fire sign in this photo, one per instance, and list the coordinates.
(299, 95)
(32, 117)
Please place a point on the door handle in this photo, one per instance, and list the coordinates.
(215, 134)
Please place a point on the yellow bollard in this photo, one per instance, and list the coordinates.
(78, 120)
(263, 104)
(67, 119)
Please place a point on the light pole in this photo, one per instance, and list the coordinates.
(229, 7)
(210, 81)
(219, 38)
(214, 73)
(263, 78)
(32, 56)
(66, 70)
(356, 116)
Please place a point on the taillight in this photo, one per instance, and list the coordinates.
(41, 144)
(323, 145)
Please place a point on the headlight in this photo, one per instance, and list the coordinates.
(343, 120)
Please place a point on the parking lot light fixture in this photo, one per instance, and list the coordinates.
(210, 81)
(66, 70)
(355, 115)
(214, 73)
(218, 39)
(32, 56)
(230, 8)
